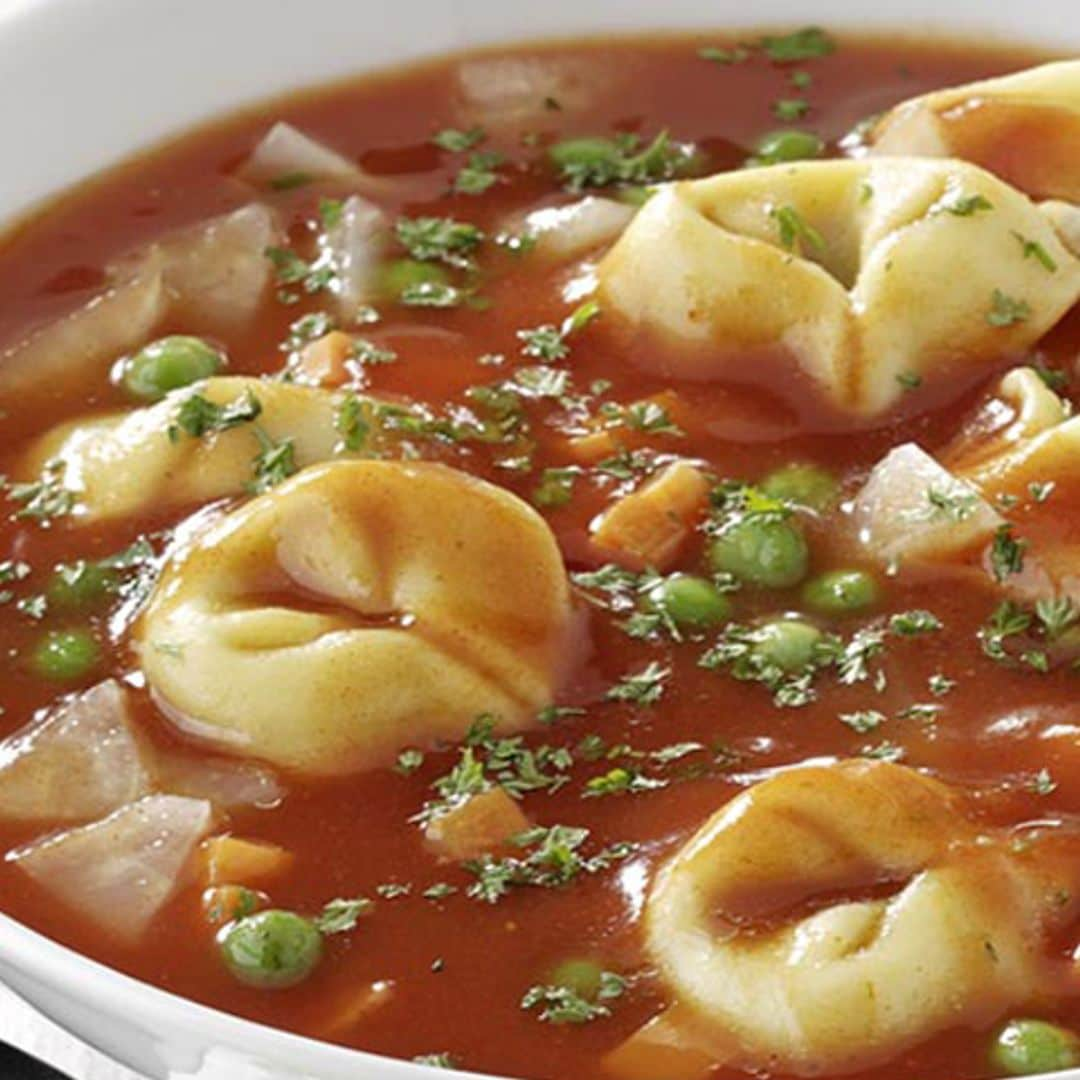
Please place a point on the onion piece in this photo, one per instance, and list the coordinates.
(79, 762)
(566, 232)
(82, 345)
(285, 152)
(210, 277)
(217, 272)
(505, 93)
(896, 518)
(120, 871)
(227, 784)
(354, 247)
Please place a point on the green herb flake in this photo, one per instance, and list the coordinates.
(960, 205)
(456, 141)
(914, 622)
(340, 916)
(794, 231)
(197, 416)
(717, 55)
(1032, 249)
(644, 687)
(1007, 310)
(807, 44)
(1006, 553)
(439, 239)
(789, 109)
(562, 1005)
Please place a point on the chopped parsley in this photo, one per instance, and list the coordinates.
(621, 781)
(960, 205)
(432, 294)
(1006, 553)
(408, 761)
(339, 916)
(554, 859)
(916, 621)
(1032, 249)
(1007, 310)
(437, 1061)
(863, 722)
(556, 486)
(478, 173)
(456, 141)
(717, 55)
(644, 687)
(435, 239)
(291, 269)
(44, 499)
(275, 462)
(549, 342)
(794, 231)
(807, 44)
(563, 1005)
(790, 108)
(601, 162)
(197, 416)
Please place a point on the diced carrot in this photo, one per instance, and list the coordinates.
(664, 1047)
(354, 1005)
(649, 526)
(232, 861)
(483, 823)
(594, 447)
(325, 360)
(223, 903)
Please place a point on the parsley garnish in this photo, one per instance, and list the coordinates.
(555, 860)
(43, 499)
(1006, 553)
(600, 162)
(478, 173)
(198, 416)
(794, 231)
(1007, 310)
(916, 621)
(644, 687)
(432, 294)
(437, 1061)
(275, 462)
(960, 205)
(562, 1005)
(1032, 249)
(435, 239)
(790, 108)
(863, 722)
(340, 916)
(804, 44)
(724, 57)
(549, 342)
(456, 141)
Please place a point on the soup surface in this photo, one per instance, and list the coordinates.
(484, 347)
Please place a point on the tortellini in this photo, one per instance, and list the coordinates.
(125, 463)
(1023, 127)
(960, 938)
(872, 274)
(358, 608)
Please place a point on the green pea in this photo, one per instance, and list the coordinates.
(841, 592)
(762, 551)
(272, 949)
(787, 643)
(1027, 1047)
(80, 584)
(690, 601)
(788, 145)
(169, 364)
(66, 655)
(805, 485)
(401, 274)
(587, 152)
(584, 977)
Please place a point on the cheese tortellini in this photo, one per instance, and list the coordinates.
(872, 274)
(358, 608)
(1025, 128)
(125, 463)
(951, 930)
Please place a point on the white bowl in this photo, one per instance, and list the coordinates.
(85, 82)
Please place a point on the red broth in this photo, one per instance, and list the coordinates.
(459, 967)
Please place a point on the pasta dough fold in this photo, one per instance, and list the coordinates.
(872, 275)
(358, 608)
(1025, 128)
(951, 930)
